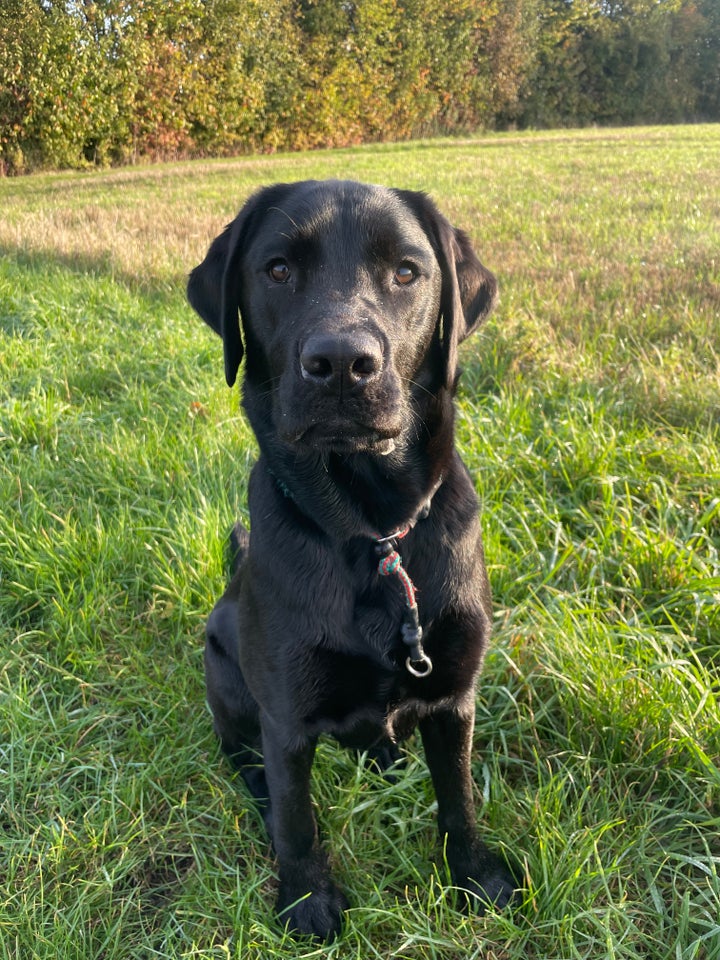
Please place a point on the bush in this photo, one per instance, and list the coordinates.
(120, 80)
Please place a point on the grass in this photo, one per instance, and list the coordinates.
(590, 418)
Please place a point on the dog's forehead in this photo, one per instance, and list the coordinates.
(338, 213)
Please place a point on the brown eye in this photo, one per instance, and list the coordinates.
(279, 271)
(404, 274)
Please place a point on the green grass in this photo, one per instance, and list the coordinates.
(590, 417)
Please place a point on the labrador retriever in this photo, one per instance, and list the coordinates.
(359, 605)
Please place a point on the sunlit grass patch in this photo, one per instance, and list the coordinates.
(588, 416)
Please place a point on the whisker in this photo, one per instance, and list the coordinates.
(286, 214)
(269, 387)
(414, 383)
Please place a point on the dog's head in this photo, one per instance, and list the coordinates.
(353, 301)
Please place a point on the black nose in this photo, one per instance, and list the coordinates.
(341, 361)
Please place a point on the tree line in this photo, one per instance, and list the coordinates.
(86, 82)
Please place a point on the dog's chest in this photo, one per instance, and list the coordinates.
(360, 702)
(352, 697)
(363, 693)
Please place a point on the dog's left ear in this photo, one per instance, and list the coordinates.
(469, 289)
(469, 293)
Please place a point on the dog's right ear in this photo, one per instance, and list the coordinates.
(213, 291)
(214, 286)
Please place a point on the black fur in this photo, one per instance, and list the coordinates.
(353, 300)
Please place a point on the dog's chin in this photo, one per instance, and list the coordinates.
(345, 442)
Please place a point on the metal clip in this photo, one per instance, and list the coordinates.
(424, 661)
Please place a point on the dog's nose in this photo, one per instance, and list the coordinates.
(341, 361)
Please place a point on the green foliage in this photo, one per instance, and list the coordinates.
(114, 81)
(639, 61)
(245, 75)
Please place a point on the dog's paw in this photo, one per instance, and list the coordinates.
(317, 913)
(498, 890)
(486, 880)
(385, 759)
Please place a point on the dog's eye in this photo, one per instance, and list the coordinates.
(405, 274)
(279, 271)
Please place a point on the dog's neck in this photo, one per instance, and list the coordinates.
(349, 497)
(365, 494)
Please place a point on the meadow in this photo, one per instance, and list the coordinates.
(589, 416)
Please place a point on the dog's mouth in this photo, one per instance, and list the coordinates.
(331, 438)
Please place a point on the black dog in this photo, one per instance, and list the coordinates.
(353, 300)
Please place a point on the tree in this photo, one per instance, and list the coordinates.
(623, 61)
(111, 81)
(705, 55)
(21, 33)
(511, 51)
(246, 75)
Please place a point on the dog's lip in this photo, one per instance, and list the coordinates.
(347, 439)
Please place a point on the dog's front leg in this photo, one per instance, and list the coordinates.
(309, 902)
(447, 738)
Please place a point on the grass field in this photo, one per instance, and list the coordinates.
(590, 418)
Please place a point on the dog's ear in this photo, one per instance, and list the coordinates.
(213, 291)
(214, 286)
(469, 289)
(469, 293)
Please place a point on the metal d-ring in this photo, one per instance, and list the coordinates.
(426, 663)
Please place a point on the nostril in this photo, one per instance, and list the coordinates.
(316, 367)
(364, 367)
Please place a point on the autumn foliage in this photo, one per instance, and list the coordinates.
(115, 81)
